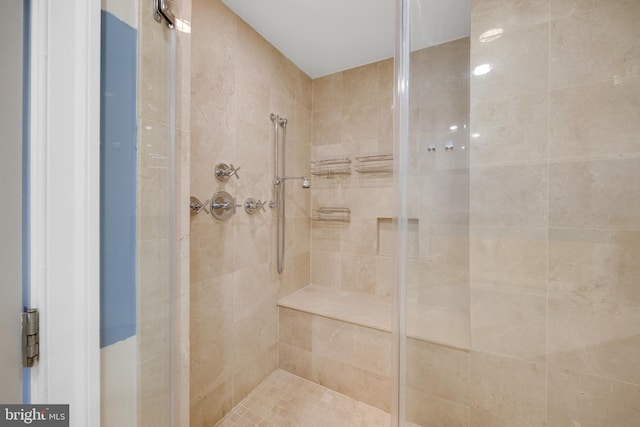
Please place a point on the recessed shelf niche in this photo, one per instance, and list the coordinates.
(387, 238)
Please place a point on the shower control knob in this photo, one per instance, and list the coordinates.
(252, 206)
(224, 171)
(222, 205)
(196, 206)
(234, 171)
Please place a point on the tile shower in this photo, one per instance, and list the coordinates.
(237, 80)
(523, 283)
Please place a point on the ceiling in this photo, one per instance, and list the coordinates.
(326, 36)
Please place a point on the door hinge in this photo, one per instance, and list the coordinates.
(30, 338)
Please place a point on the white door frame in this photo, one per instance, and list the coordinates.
(11, 112)
(64, 203)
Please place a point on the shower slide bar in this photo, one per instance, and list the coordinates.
(279, 179)
(278, 201)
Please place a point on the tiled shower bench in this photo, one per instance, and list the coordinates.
(342, 340)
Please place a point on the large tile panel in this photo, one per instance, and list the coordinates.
(596, 338)
(597, 119)
(509, 196)
(591, 401)
(509, 322)
(594, 46)
(519, 63)
(510, 129)
(506, 392)
(598, 266)
(595, 194)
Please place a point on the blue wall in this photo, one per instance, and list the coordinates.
(117, 181)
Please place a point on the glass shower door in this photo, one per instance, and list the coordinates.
(437, 223)
(434, 294)
(144, 371)
(162, 135)
(522, 297)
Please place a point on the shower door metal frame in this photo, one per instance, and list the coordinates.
(400, 183)
(162, 10)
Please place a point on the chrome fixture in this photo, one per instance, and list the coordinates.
(380, 164)
(196, 206)
(223, 171)
(162, 9)
(253, 206)
(305, 181)
(278, 190)
(331, 168)
(449, 145)
(431, 147)
(221, 206)
(279, 178)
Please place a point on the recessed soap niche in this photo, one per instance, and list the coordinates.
(387, 238)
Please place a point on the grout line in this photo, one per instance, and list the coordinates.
(546, 360)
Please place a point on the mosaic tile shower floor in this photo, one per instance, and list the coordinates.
(286, 400)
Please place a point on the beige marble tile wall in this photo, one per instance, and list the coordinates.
(352, 117)
(163, 276)
(350, 359)
(437, 384)
(555, 213)
(237, 80)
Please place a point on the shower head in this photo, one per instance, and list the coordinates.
(305, 182)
